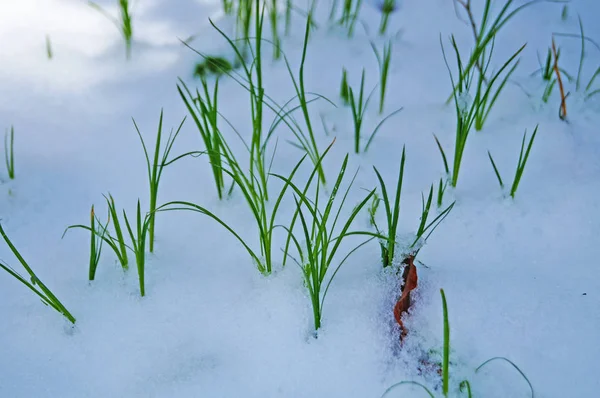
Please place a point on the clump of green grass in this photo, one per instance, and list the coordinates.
(156, 167)
(392, 216)
(383, 60)
(97, 237)
(359, 105)
(547, 73)
(123, 22)
(523, 156)
(466, 113)
(463, 386)
(9, 152)
(252, 76)
(101, 235)
(212, 65)
(489, 83)
(33, 282)
(204, 109)
(255, 197)
(387, 8)
(319, 240)
(138, 239)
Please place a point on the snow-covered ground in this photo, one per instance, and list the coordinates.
(522, 277)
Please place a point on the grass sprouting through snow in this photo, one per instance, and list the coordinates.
(392, 215)
(359, 107)
(440, 193)
(265, 219)
(466, 111)
(256, 200)
(123, 23)
(383, 60)
(320, 239)
(97, 237)
(156, 166)
(9, 152)
(34, 283)
(487, 90)
(253, 83)
(102, 235)
(523, 156)
(248, 79)
(446, 355)
(489, 84)
(424, 227)
(485, 34)
(138, 241)
(445, 365)
(95, 244)
(203, 109)
(445, 358)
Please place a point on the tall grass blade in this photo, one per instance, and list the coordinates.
(34, 283)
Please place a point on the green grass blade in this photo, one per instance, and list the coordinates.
(496, 170)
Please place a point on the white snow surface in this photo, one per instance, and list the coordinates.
(522, 276)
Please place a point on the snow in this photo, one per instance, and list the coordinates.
(521, 276)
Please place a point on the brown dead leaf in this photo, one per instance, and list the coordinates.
(409, 283)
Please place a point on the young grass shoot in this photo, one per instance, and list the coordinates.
(359, 105)
(97, 237)
(466, 113)
(392, 215)
(383, 60)
(138, 239)
(156, 167)
(319, 240)
(255, 198)
(522, 162)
